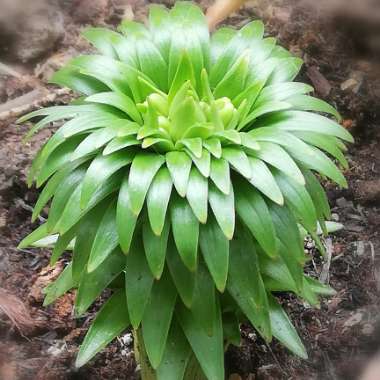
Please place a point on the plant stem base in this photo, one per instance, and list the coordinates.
(193, 370)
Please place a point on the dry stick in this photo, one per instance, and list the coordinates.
(324, 276)
(220, 10)
(7, 70)
(29, 101)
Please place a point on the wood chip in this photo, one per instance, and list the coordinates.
(321, 84)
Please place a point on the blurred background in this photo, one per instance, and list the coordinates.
(339, 41)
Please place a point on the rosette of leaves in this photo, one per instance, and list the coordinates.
(180, 178)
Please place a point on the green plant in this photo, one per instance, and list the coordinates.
(180, 177)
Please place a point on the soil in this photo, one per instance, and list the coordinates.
(341, 336)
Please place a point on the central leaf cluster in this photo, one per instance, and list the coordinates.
(184, 115)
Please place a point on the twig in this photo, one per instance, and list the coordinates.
(7, 70)
(29, 101)
(220, 10)
(324, 276)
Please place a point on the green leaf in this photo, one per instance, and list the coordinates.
(299, 200)
(288, 233)
(191, 35)
(233, 48)
(158, 199)
(110, 321)
(283, 329)
(309, 103)
(183, 279)
(215, 249)
(203, 163)
(138, 282)
(326, 143)
(220, 174)
(246, 285)
(253, 210)
(306, 155)
(276, 269)
(203, 305)
(185, 228)
(318, 194)
(157, 318)
(72, 213)
(62, 196)
(155, 248)
(277, 157)
(119, 143)
(62, 243)
(185, 72)
(144, 167)
(84, 240)
(179, 165)
(194, 145)
(51, 186)
(231, 329)
(249, 142)
(238, 160)
(219, 41)
(152, 63)
(39, 233)
(262, 178)
(103, 39)
(106, 239)
(101, 168)
(125, 218)
(306, 121)
(207, 349)
(269, 107)
(71, 77)
(60, 286)
(223, 208)
(160, 28)
(92, 284)
(197, 194)
(214, 146)
(286, 70)
(233, 82)
(282, 91)
(60, 156)
(176, 355)
(118, 100)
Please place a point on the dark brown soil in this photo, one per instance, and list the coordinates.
(341, 337)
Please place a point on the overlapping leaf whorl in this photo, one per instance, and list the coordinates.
(193, 156)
